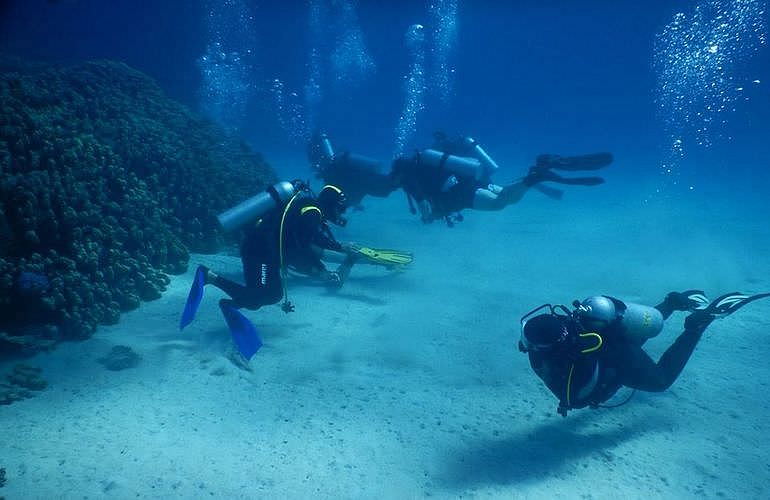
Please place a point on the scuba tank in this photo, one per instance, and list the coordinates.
(257, 206)
(320, 152)
(360, 162)
(326, 146)
(481, 155)
(638, 322)
(460, 165)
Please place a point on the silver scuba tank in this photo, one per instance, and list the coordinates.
(251, 209)
(362, 163)
(641, 323)
(638, 322)
(482, 155)
(460, 165)
(326, 147)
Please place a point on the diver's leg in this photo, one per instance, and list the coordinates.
(496, 198)
(262, 272)
(263, 280)
(484, 199)
(639, 371)
(242, 296)
(665, 308)
(688, 300)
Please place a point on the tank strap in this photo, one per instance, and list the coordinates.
(281, 251)
(410, 201)
(443, 160)
(599, 342)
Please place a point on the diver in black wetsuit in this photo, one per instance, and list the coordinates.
(293, 238)
(288, 228)
(456, 174)
(584, 356)
(358, 176)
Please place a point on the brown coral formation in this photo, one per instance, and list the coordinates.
(105, 184)
(21, 383)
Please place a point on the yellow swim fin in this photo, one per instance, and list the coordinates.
(384, 257)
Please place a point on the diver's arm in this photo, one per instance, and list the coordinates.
(326, 240)
(336, 278)
(426, 211)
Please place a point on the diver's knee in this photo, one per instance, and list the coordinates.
(272, 297)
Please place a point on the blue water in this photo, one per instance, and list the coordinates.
(528, 76)
(681, 98)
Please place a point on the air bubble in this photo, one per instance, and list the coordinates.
(414, 88)
(695, 57)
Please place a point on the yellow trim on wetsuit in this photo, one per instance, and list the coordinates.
(584, 351)
(280, 242)
(331, 186)
(308, 208)
(594, 348)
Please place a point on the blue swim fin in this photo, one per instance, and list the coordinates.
(193, 298)
(244, 333)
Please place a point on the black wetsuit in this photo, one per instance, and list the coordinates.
(304, 227)
(591, 377)
(447, 192)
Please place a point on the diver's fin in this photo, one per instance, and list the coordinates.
(245, 335)
(593, 161)
(194, 297)
(731, 302)
(551, 192)
(539, 174)
(696, 299)
(578, 181)
(689, 300)
(384, 257)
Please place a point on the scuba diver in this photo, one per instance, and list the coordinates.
(456, 174)
(586, 355)
(287, 227)
(357, 175)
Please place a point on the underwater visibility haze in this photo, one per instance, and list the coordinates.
(406, 249)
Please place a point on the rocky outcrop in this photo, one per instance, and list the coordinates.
(105, 184)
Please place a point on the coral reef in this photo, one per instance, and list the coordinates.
(105, 184)
(9, 394)
(28, 377)
(120, 357)
(22, 380)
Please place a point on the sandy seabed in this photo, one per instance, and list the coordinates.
(408, 385)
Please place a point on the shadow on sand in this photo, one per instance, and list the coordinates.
(544, 451)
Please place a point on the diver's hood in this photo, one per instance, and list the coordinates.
(546, 331)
